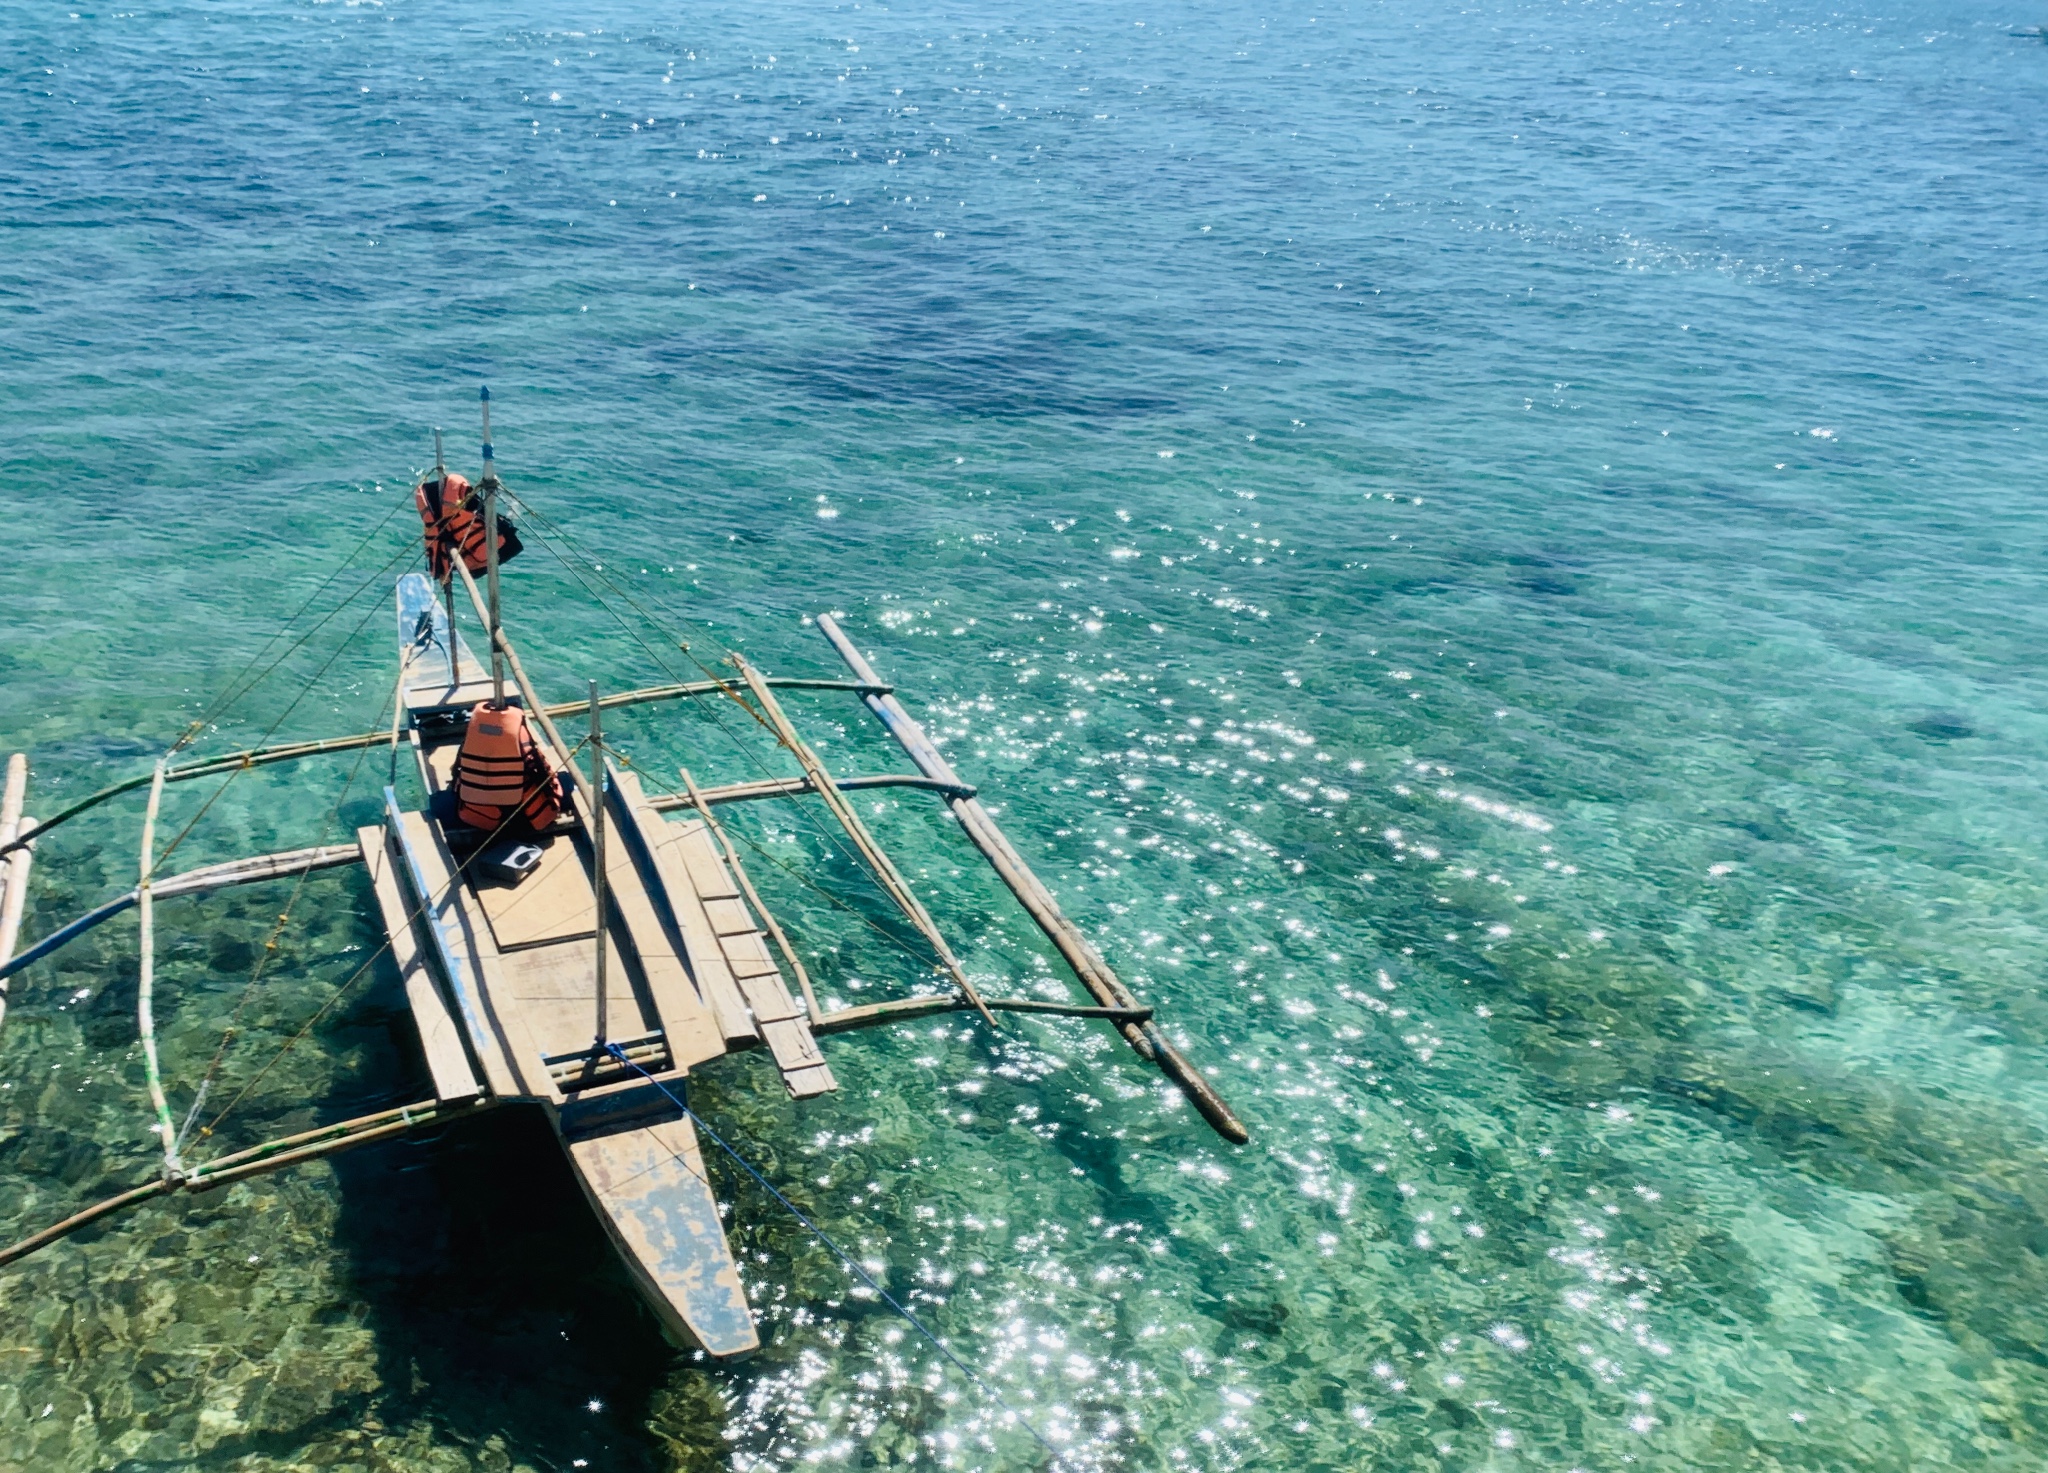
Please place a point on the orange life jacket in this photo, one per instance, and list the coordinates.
(502, 773)
(453, 516)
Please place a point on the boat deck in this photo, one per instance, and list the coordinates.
(502, 983)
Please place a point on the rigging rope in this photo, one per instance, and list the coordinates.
(229, 695)
(284, 715)
(841, 1254)
(341, 990)
(542, 525)
(263, 957)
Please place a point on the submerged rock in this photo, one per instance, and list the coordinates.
(1942, 726)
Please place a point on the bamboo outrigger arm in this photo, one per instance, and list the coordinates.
(191, 882)
(909, 1009)
(791, 787)
(1146, 1037)
(885, 871)
(270, 1156)
(293, 751)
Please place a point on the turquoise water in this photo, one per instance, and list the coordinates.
(1490, 555)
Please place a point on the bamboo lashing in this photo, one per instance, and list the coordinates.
(883, 867)
(145, 1015)
(1094, 973)
(739, 874)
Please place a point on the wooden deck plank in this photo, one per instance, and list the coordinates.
(554, 903)
(649, 1187)
(712, 978)
(440, 1035)
(553, 988)
(694, 1033)
(511, 1059)
(744, 952)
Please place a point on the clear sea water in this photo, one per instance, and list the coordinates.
(1492, 555)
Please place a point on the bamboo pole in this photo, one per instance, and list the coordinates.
(884, 868)
(1147, 1038)
(247, 871)
(11, 799)
(308, 1145)
(145, 1014)
(909, 1009)
(14, 869)
(293, 751)
(739, 873)
(500, 644)
(597, 866)
(793, 787)
(490, 490)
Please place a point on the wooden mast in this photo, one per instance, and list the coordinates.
(490, 489)
(454, 671)
(597, 867)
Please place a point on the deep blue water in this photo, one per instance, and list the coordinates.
(1492, 555)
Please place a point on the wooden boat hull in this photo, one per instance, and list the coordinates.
(502, 981)
(649, 1188)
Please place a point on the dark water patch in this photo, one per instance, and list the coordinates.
(1943, 726)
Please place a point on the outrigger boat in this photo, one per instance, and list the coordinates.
(591, 969)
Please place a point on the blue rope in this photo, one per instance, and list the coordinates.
(819, 1233)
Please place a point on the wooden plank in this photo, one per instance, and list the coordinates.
(440, 1037)
(553, 904)
(552, 988)
(708, 969)
(744, 953)
(497, 1033)
(694, 1033)
(650, 1190)
(423, 638)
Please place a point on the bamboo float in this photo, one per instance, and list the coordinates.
(15, 868)
(739, 873)
(247, 871)
(883, 867)
(291, 1150)
(1094, 973)
(145, 1016)
(293, 751)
